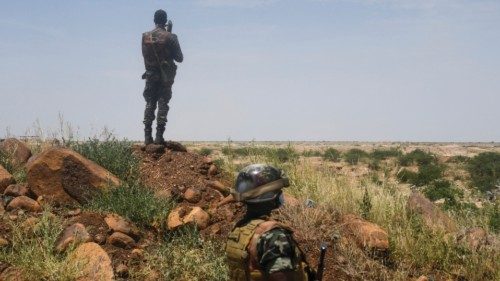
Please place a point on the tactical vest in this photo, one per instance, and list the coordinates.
(157, 53)
(241, 249)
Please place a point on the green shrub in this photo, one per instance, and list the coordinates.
(332, 154)
(19, 173)
(494, 220)
(484, 170)
(366, 205)
(383, 154)
(440, 189)
(134, 202)
(428, 173)
(417, 156)
(114, 155)
(406, 176)
(283, 154)
(33, 251)
(458, 159)
(354, 155)
(311, 153)
(205, 151)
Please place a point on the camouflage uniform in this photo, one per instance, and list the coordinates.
(275, 251)
(159, 48)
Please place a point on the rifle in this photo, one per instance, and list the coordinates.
(169, 26)
(321, 264)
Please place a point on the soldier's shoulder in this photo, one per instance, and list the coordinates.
(278, 235)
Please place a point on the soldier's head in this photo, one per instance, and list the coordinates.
(260, 187)
(160, 17)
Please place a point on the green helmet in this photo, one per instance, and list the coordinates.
(259, 183)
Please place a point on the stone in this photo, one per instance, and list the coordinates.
(192, 195)
(75, 212)
(16, 150)
(185, 215)
(217, 185)
(137, 255)
(440, 201)
(122, 270)
(64, 177)
(16, 190)
(3, 242)
(475, 238)
(2, 210)
(94, 262)
(100, 239)
(74, 234)
(212, 171)
(119, 224)
(433, 217)
(121, 240)
(207, 160)
(367, 235)
(24, 203)
(155, 148)
(175, 146)
(6, 179)
(422, 278)
(12, 274)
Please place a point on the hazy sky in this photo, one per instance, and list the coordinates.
(365, 70)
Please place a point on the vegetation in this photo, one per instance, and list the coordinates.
(418, 157)
(32, 250)
(443, 189)
(332, 154)
(311, 153)
(383, 154)
(19, 173)
(354, 155)
(484, 170)
(205, 151)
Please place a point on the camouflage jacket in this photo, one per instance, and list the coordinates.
(159, 45)
(275, 251)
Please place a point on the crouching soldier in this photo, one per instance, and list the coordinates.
(260, 248)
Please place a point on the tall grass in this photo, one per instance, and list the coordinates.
(32, 250)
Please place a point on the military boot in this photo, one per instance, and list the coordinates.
(148, 135)
(159, 135)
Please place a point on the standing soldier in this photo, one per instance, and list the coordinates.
(160, 48)
(260, 248)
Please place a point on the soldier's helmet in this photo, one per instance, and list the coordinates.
(259, 183)
(160, 17)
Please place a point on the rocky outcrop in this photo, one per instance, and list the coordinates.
(6, 179)
(186, 215)
(73, 234)
(93, 261)
(121, 240)
(16, 150)
(433, 217)
(15, 190)
(63, 176)
(366, 234)
(24, 203)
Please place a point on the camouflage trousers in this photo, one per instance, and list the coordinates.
(157, 93)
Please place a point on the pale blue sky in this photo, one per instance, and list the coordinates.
(373, 70)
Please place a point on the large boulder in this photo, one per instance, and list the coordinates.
(187, 215)
(6, 179)
(63, 176)
(368, 235)
(433, 217)
(16, 150)
(93, 262)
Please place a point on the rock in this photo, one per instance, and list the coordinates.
(73, 234)
(121, 240)
(24, 203)
(207, 160)
(6, 179)
(94, 262)
(175, 146)
(422, 278)
(291, 201)
(155, 148)
(212, 171)
(367, 235)
(2, 210)
(119, 224)
(16, 190)
(75, 212)
(3, 242)
(63, 177)
(12, 274)
(217, 185)
(475, 238)
(440, 201)
(122, 270)
(137, 255)
(192, 195)
(432, 215)
(100, 239)
(16, 150)
(184, 215)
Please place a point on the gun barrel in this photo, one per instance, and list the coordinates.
(321, 264)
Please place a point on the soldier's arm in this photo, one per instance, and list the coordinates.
(275, 253)
(178, 56)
